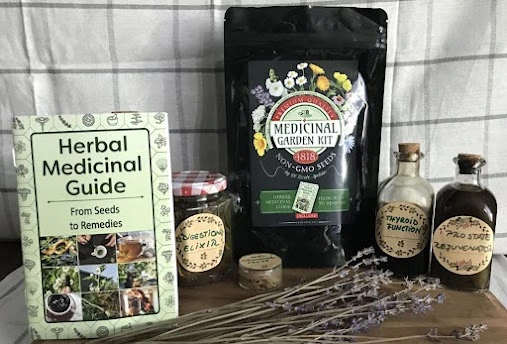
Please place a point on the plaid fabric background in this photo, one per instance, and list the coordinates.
(446, 78)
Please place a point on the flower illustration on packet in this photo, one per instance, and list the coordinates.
(306, 77)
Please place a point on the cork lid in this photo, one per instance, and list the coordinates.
(409, 148)
(468, 163)
(409, 152)
(469, 157)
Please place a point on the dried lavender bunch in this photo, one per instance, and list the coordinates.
(338, 307)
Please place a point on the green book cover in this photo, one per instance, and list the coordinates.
(95, 205)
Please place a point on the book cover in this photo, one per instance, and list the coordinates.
(95, 205)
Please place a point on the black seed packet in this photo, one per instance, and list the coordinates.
(304, 96)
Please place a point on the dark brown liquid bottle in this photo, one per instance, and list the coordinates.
(465, 218)
(404, 216)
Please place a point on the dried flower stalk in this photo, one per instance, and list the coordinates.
(337, 307)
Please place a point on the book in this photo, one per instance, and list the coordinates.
(96, 214)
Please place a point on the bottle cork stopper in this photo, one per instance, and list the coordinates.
(469, 157)
(468, 163)
(409, 148)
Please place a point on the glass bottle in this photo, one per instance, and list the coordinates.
(202, 215)
(404, 216)
(465, 218)
(384, 183)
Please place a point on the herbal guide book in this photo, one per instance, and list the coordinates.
(96, 214)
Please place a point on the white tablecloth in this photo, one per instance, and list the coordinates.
(13, 312)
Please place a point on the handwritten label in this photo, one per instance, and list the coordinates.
(200, 242)
(463, 245)
(402, 229)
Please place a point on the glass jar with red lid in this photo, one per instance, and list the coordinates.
(202, 214)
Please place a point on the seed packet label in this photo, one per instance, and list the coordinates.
(200, 242)
(96, 221)
(305, 197)
(304, 122)
(402, 229)
(463, 245)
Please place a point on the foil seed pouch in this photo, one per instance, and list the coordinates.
(304, 94)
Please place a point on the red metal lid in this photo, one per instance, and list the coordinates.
(198, 183)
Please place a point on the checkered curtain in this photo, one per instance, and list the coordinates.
(446, 78)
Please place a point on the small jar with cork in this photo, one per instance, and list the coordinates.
(404, 215)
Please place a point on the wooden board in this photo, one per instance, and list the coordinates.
(459, 310)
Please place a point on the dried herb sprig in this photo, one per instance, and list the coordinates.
(337, 307)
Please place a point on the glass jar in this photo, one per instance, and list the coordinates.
(202, 214)
(405, 215)
(260, 272)
(465, 219)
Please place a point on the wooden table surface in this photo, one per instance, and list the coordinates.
(459, 310)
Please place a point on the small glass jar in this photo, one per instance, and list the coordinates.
(260, 272)
(202, 214)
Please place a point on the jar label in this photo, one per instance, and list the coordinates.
(260, 261)
(463, 245)
(402, 229)
(200, 242)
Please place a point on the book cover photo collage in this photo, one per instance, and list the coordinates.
(99, 277)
